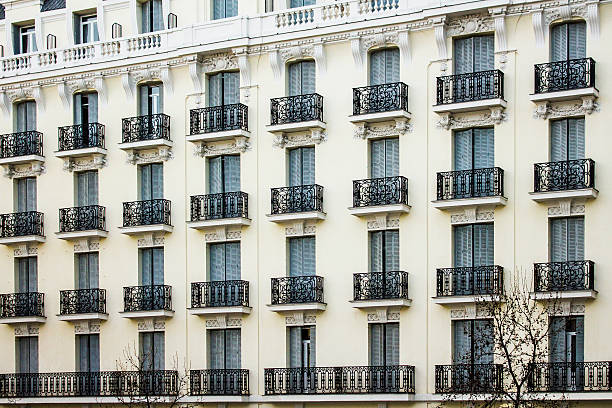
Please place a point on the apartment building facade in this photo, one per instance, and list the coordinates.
(298, 201)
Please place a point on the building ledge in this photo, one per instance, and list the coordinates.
(470, 106)
(559, 96)
(145, 144)
(469, 202)
(31, 158)
(79, 317)
(220, 222)
(566, 294)
(147, 314)
(77, 235)
(379, 209)
(545, 196)
(380, 117)
(298, 307)
(380, 303)
(457, 300)
(223, 310)
(218, 136)
(145, 229)
(23, 320)
(26, 239)
(312, 125)
(90, 151)
(299, 216)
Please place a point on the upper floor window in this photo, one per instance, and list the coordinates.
(568, 41)
(566, 345)
(567, 239)
(85, 108)
(87, 188)
(384, 158)
(301, 3)
(473, 342)
(223, 88)
(26, 350)
(302, 347)
(151, 99)
(25, 118)
(24, 39)
(87, 276)
(86, 29)
(151, 16)
(474, 54)
(384, 66)
(26, 275)
(151, 181)
(384, 251)
(224, 261)
(474, 149)
(151, 265)
(25, 193)
(269, 6)
(473, 245)
(152, 351)
(224, 349)
(301, 166)
(384, 344)
(301, 79)
(87, 353)
(223, 174)
(224, 9)
(567, 139)
(302, 258)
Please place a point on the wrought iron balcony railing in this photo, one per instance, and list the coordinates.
(380, 191)
(26, 304)
(82, 301)
(147, 298)
(219, 382)
(380, 285)
(148, 212)
(21, 144)
(220, 205)
(564, 75)
(474, 183)
(564, 276)
(219, 119)
(87, 218)
(297, 289)
(564, 175)
(90, 384)
(468, 378)
(287, 200)
(22, 224)
(148, 127)
(570, 377)
(220, 293)
(467, 281)
(82, 136)
(294, 109)
(340, 380)
(470, 87)
(380, 98)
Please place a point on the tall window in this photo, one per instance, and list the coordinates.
(224, 9)
(384, 158)
(87, 276)
(302, 78)
(384, 251)
(151, 181)
(85, 108)
(88, 353)
(26, 194)
(301, 166)
(473, 245)
(25, 119)
(87, 188)
(269, 6)
(567, 139)
(473, 342)
(566, 345)
(223, 88)
(474, 149)
(26, 279)
(224, 349)
(152, 351)
(26, 350)
(301, 3)
(151, 99)
(223, 174)
(302, 346)
(24, 39)
(474, 54)
(86, 29)
(567, 239)
(152, 18)
(568, 41)
(302, 257)
(385, 66)
(224, 261)
(151, 263)
(384, 344)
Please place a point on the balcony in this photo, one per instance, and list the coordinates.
(380, 289)
(470, 92)
(340, 380)
(380, 103)
(146, 133)
(219, 210)
(297, 293)
(388, 195)
(468, 188)
(82, 222)
(147, 301)
(469, 284)
(564, 280)
(148, 216)
(22, 227)
(83, 304)
(81, 141)
(469, 379)
(572, 179)
(570, 377)
(220, 297)
(219, 382)
(301, 113)
(216, 123)
(90, 384)
(298, 203)
(20, 308)
(565, 80)
(22, 148)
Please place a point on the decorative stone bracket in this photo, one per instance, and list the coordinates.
(160, 153)
(239, 144)
(32, 169)
(300, 319)
(27, 329)
(301, 228)
(92, 162)
(151, 324)
(566, 307)
(473, 215)
(448, 121)
(151, 239)
(566, 208)
(313, 136)
(382, 222)
(546, 110)
(383, 315)
(223, 234)
(223, 321)
(87, 245)
(364, 130)
(469, 311)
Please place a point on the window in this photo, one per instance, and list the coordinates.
(85, 108)
(25, 39)
(474, 54)
(568, 41)
(473, 342)
(26, 194)
(26, 350)
(26, 279)
(224, 349)
(87, 276)
(151, 99)
(87, 188)
(384, 344)
(474, 149)
(566, 345)
(567, 139)
(384, 251)
(269, 6)
(301, 78)
(224, 261)
(385, 66)
(302, 3)
(151, 17)
(151, 181)
(223, 88)
(302, 258)
(223, 174)
(302, 346)
(152, 354)
(473, 245)
(224, 9)
(88, 353)
(25, 119)
(86, 29)
(384, 158)
(301, 166)
(567, 239)
(151, 265)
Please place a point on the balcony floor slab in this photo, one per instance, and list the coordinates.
(23, 320)
(379, 209)
(145, 144)
(147, 314)
(559, 96)
(218, 136)
(469, 202)
(223, 310)
(22, 159)
(296, 126)
(77, 235)
(80, 317)
(566, 294)
(26, 239)
(458, 300)
(220, 222)
(380, 303)
(298, 307)
(470, 106)
(146, 229)
(545, 196)
(299, 216)
(380, 117)
(89, 151)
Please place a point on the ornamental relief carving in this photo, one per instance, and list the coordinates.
(238, 145)
(469, 24)
(94, 162)
(448, 121)
(24, 170)
(365, 131)
(150, 156)
(546, 110)
(219, 62)
(289, 140)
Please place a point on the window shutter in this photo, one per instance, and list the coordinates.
(556, 340)
(144, 99)
(82, 353)
(463, 246)
(392, 65)
(145, 16)
(483, 342)
(216, 253)
(215, 90)
(391, 157)
(308, 166)
(295, 347)
(93, 107)
(376, 342)
(158, 351)
(309, 256)
(231, 165)
(295, 79)
(83, 273)
(575, 239)
(484, 53)
(558, 43)
(146, 266)
(82, 187)
(93, 270)
(158, 266)
(32, 274)
(392, 348)
(484, 149)
(558, 140)
(579, 339)
(295, 257)
(232, 261)
(295, 167)
(146, 349)
(392, 250)
(30, 115)
(377, 158)
(21, 117)
(575, 139)
(30, 194)
(157, 178)
(78, 109)
(33, 354)
(21, 281)
(464, 58)
(558, 240)
(231, 84)
(463, 150)
(308, 77)
(215, 175)
(158, 18)
(94, 353)
(232, 354)
(462, 339)
(79, 27)
(21, 194)
(92, 188)
(483, 245)
(577, 40)
(313, 347)
(376, 258)
(377, 67)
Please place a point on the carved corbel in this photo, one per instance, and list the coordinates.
(356, 51)
(592, 18)
(245, 70)
(37, 94)
(499, 22)
(64, 94)
(275, 63)
(319, 56)
(446, 120)
(100, 86)
(166, 77)
(404, 46)
(195, 70)
(538, 27)
(128, 85)
(440, 33)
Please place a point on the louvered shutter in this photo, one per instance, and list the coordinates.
(558, 43)
(575, 139)
(313, 347)
(144, 100)
(376, 248)
(295, 347)
(579, 339)
(376, 345)
(215, 175)
(377, 68)
(308, 77)
(558, 140)
(78, 109)
(94, 353)
(157, 179)
(232, 261)
(295, 79)
(28, 199)
(295, 167)
(159, 351)
(483, 245)
(309, 256)
(391, 157)
(33, 354)
(93, 270)
(462, 341)
(21, 117)
(158, 266)
(32, 274)
(158, 18)
(484, 149)
(392, 250)
(216, 254)
(463, 150)
(216, 349)
(231, 173)
(295, 257)
(483, 342)
(83, 352)
(232, 354)
(556, 340)
(82, 189)
(145, 9)
(484, 53)
(577, 40)
(558, 240)
(145, 263)
(231, 88)
(575, 239)
(392, 347)
(92, 188)
(377, 158)
(463, 246)
(22, 194)
(146, 351)
(83, 272)
(308, 165)
(30, 115)
(215, 89)
(92, 99)
(464, 55)
(392, 65)
(21, 281)
(145, 182)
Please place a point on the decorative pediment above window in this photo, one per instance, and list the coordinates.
(281, 55)
(543, 18)
(361, 44)
(67, 88)
(470, 24)
(11, 95)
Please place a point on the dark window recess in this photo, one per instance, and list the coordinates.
(49, 5)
